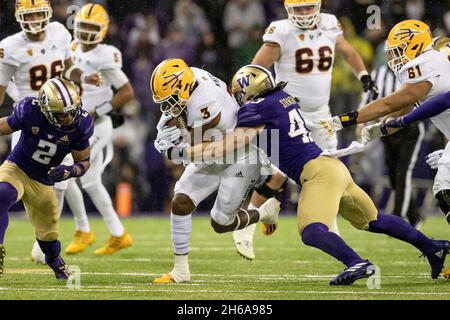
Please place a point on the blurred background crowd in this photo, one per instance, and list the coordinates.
(220, 36)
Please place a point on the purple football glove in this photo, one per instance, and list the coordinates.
(396, 123)
(61, 173)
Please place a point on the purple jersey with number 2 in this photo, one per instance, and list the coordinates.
(41, 145)
(277, 110)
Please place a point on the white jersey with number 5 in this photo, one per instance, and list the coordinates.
(103, 58)
(306, 61)
(432, 66)
(34, 62)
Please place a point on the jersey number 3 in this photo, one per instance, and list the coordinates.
(298, 127)
(46, 150)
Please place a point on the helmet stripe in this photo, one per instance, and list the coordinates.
(56, 84)
(68, 92)
(90, 10)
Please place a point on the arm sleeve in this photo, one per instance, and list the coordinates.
(116, 77)
(6, 73)
(429, 109)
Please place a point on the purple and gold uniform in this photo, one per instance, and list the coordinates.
(41, 147)
(300, 158)
(280, 111)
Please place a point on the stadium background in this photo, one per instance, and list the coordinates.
(221, 36)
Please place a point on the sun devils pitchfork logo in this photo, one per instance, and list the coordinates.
(174, 80)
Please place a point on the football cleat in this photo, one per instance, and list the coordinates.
(80, 242)
(269, 211)
(115, 244)
(60, 268)
(2, 258)
(447, 274)
(269, 229)
(353, 273)
(436, 259)
(173, 277)
(243, 241)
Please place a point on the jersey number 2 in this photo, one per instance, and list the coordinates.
(298, 127)
(46, 150)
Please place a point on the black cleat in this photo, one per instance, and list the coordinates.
(436, 259)
(60, 268)
(351, 274)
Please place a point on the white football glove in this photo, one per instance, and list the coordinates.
(433, 158)
(162, 121)
(326, 127)
(371, 132)
(172, 134)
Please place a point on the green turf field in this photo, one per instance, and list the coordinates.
(283, 268)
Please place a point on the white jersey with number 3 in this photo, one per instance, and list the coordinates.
(306, 61)
(35, 62)
(432, 66)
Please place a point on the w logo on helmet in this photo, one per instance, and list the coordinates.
(244, 82)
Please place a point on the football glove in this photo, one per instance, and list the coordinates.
(369, 85)
(371, 132)
(327, 127)
(433, 158)
(172, 134)
(61, 173)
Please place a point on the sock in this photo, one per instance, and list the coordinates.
(398, 228)
(102, 201)
(317, 235)
(181, 228)
(8, 196)
(245, 218)
(51, 249)
(75, 199)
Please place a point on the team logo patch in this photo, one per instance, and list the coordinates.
(244, 82)
(50, 136)
(43, 51)
(30, 52)
(64, 140)
(35, 130)
(302, 37)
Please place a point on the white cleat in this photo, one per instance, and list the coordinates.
(269, 211)
(243, 241)
(37, 256)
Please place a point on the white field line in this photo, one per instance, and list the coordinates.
(170, 289)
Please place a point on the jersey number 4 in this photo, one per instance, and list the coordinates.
(298, 127)
(304, 59)
(45, 152)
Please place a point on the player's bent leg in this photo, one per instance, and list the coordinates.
(181, 228)
(359, 208)
(52, 251)
(8, 196)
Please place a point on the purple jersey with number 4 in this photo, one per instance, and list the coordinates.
(41, 145)
(277, 110)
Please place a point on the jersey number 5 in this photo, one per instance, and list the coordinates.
(46, 150)
(298, 127)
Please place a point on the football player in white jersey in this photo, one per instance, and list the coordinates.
(302, 49)
(88, 53)
(423, 73)
(200, 101)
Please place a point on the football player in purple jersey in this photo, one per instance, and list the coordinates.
(53, 125)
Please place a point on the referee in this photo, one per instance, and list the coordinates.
(401, 150)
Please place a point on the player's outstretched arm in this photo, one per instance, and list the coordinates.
(5, 129)
(267, 55)
(407, 95)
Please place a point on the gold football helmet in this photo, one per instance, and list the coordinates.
(406, 41)
(91, 24)
(442, 44)
(172, 83)
(306, 20)
(28, 7)
(60, 103)
(251, 81)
